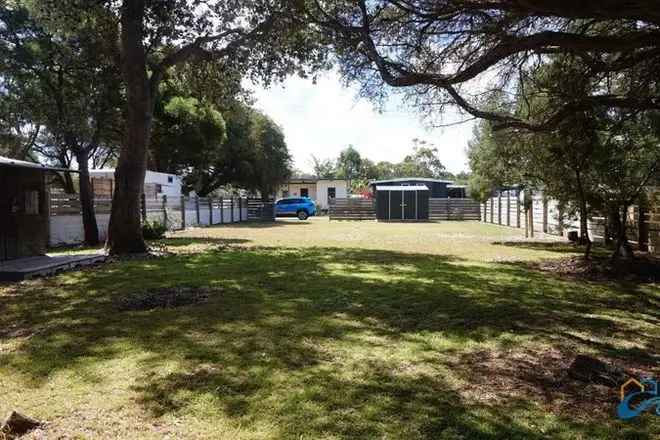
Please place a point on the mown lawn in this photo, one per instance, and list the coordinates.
(336, 330)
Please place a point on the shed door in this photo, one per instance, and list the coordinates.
(410, 205)
(8, 231)
(396, 205)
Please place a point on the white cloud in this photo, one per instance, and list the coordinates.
(324, 118)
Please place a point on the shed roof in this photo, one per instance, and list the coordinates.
(410, 179)
(8, 162)
(402, 188)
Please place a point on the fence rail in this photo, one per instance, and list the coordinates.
(454, 209)
(352, 209)
(545, 215)
(176, 213)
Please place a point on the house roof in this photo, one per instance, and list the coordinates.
(311, 180)
(8, 162)
(402, 188)
(409, 179)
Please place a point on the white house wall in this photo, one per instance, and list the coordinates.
(341, 191)
(317, 191)
(169, 189)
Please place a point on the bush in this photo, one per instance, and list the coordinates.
(153, 230)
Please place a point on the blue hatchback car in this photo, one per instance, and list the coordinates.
(301, 207)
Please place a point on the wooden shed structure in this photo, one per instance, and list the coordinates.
(402, 202)
(24, 224)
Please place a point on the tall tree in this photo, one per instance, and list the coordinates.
(259, 38)
(323, 168)
(349, 163)
(68, 88)
(272, 161)
(424, 162)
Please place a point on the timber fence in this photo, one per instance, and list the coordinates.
(506, 207)
(176, 213)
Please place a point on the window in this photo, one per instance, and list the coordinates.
(170, 179)
(304, 192)
(332, 193)
(159, 188)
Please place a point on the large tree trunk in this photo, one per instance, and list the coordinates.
(584, 215)
(87, 199)
(623, 249)
(125, 230)
(67, 183)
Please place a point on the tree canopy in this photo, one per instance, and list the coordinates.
(461, 53)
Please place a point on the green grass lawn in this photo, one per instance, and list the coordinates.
(334, 330)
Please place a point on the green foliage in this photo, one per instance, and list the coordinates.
(187, 134)
(153, 230)
(424, 162)
(271, 163)
(323, 168)
(61, 91)
(349, 163)
(593, 161)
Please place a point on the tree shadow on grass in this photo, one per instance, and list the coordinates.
(185, 241)
(344, 343)
(550, 246)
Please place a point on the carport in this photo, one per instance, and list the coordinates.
(402, 202)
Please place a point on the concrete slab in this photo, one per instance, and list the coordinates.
(45, 265)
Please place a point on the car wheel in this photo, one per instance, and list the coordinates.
(302, 215)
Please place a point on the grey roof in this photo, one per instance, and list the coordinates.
(456, 186)
(409, 179)
(6, 161)
(402, 188)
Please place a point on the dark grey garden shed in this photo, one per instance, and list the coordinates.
(402, 202)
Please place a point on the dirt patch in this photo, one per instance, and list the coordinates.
(167, 298)
(643, 269)
(496, 378)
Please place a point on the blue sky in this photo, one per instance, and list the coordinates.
(325, 117)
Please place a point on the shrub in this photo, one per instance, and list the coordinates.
(153, 230)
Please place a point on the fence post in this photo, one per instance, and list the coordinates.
(499, 207)
(240, 209)
(210, 211)
(492, 209)
(143, 207)
(508, 207)
(531, 214)
(221, 204)
(518, 208)
(642, 226)
(545, 213)
(197, 210)
(183, 212)
(165, 210)
(232, 209)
